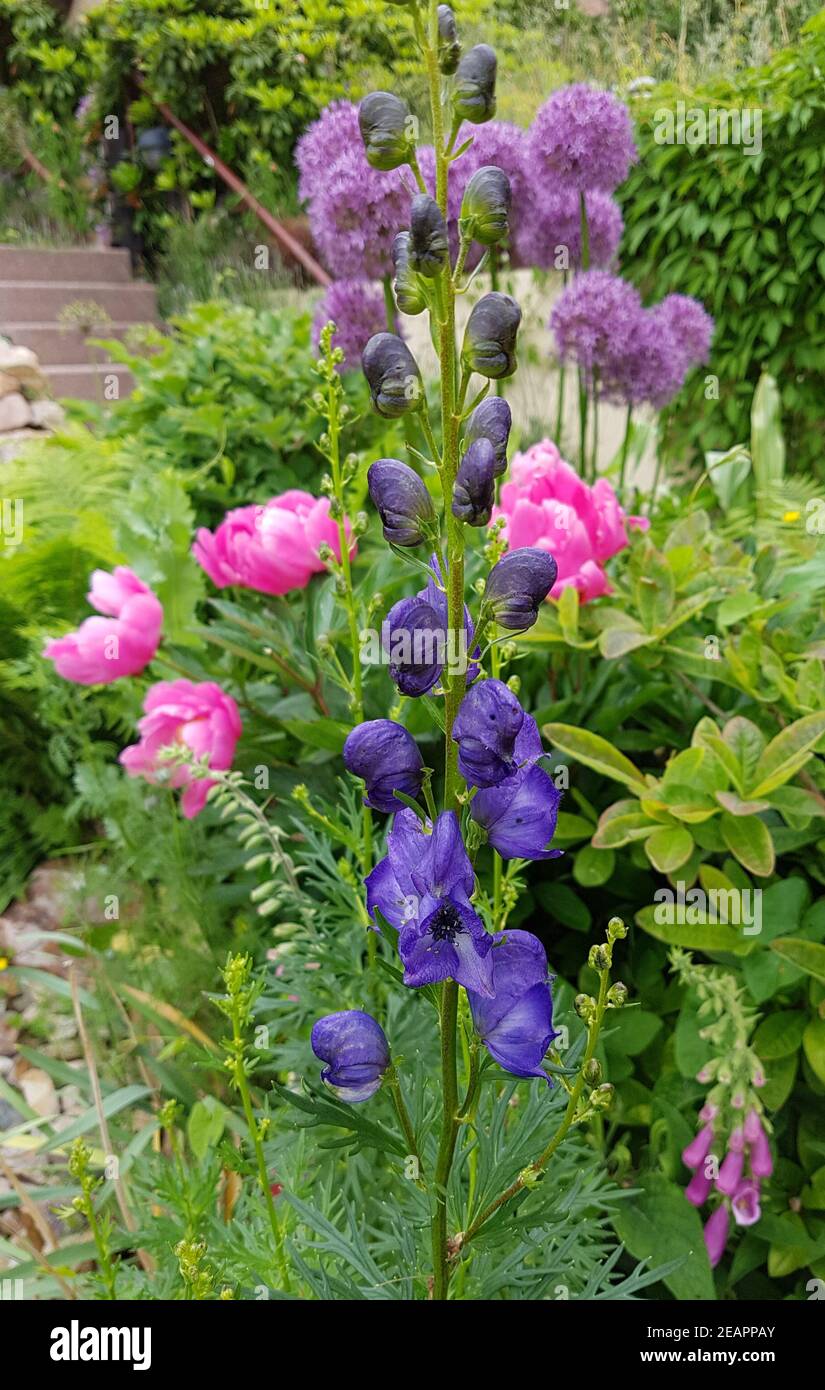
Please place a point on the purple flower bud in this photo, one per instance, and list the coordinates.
(730, 1172)
(409, 291)
(429, 246)
(449, 47)
(382, 119)
(516, 1024)
(745, 1203)
(488, 722)
(414, 641)
(516, 586)
(402, 500)
(356, 1051)
(489, 346)
(698, 1148)
(716, 1234)
(475, 484)
(761, 1160)
(485, 207)
(392, 374)
(474, 98)
(698, 1189)
(491, 420)
(388, 759)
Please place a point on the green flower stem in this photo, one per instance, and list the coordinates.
(449, 1133)
(404, 1116)
(594, 466)
(242, 1083)
(528, 1176)
(389, 303)
(349, 601)
(582, 426)
(427, 431)
(625, 447)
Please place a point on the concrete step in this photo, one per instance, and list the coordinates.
(89, 382)
(31, 301)
(83, 263)
(55, 344)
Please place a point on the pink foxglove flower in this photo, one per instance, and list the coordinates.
(272, 548)
(122, 642)
(546, 504)
(716, 1233)
(199, 717)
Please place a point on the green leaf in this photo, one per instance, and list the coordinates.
(658, 1224)
(593, 867)
(696, 936)
(118, 1100)
(205, 1125)
(806, 955)
(319, 733)
(595, 752)
(779, 1035)
(780, 1076)
(813, 1043)
(616, 642)
(669, 848)
(787, 753)
(749, 840)
(654, 589)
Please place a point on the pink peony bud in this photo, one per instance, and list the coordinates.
(199, 717)
(122, 642)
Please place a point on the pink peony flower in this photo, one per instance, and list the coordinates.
(122, 642)
(716, 1233)
(200, 717)
(546, 504)
(271, 548)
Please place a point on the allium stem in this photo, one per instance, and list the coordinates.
(625, 447)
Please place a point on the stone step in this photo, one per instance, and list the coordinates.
(88, 382)
(75, 264)
(31, 301)
(55, 344)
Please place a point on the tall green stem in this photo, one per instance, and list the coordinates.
(389, 303)
(449, 1132)
(252, 1125)
(625, 447)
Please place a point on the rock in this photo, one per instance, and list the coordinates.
(22, 364)
(47, 415)
(8, 384)
(15, 412)
(14, 442)
(39, 1092)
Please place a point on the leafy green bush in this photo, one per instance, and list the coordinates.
(746, 232)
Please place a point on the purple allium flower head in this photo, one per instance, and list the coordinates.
(492, 420)
(594, 322)
(517, 584)
(355, 216)
(392, 375)
(322, 145)
(582, 137)
(383, 122)
(357, 309)
(550, 219)
(475, 485)
(414, 640)
(519, 814)
(653, 368)
(422, 887)
(716, 1233)
(388, 759)
(516, 1025)
(402, 501)
(474, 92)
(488, 722)
(356, 1052)
(690, 324)
(428, 248)
(745, 1203)
(489, 346)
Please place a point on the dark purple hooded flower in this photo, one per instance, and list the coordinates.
(414, 639)
(356, 1052)
(485, 207)
(486, 727)
(491, 420)
(383, 121)
(422, 887)
(392, 375)
(402, 501)
(388, 759)
(449, 46)
(519, 814)
(581, 137)
(516, 1025)
(474, 493)
(517, 585)
(410, 293)
(489, 345)
(428, 248)
(474, 93)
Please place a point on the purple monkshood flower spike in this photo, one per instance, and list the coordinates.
(516, 586)
(402, 501)
(388, 759)
(415, 645)
(474, 494)
(422, 887)
(519, 814)
(356, 1052)
(516, 1024)
(491, 420)
(488, 722)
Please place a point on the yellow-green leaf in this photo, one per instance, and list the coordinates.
(595, 752)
